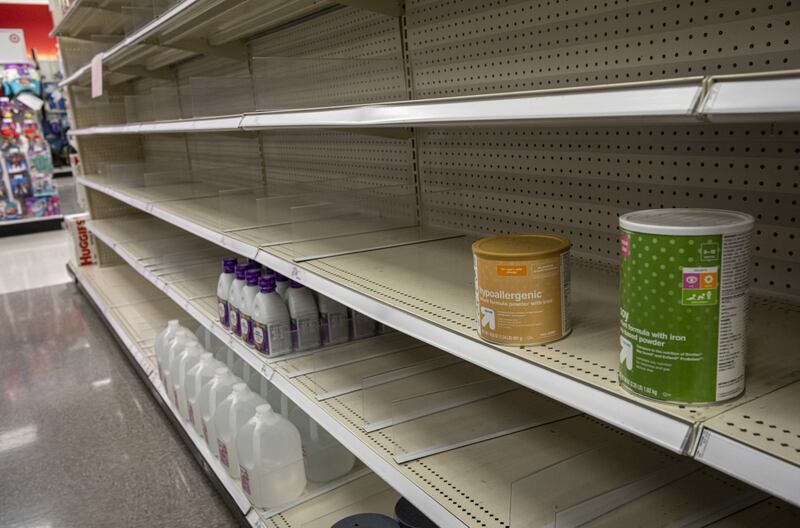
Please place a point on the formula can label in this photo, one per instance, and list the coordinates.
(522, 302)
(683, 302)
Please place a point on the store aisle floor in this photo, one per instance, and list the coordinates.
(82, 442)
(34, 260)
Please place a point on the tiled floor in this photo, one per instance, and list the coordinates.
(33, 261)
(82, 442)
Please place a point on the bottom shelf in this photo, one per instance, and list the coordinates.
(129, 305)
(573, 471)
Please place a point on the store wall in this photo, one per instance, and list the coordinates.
(35, 20)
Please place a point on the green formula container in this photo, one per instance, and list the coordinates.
(684, 277)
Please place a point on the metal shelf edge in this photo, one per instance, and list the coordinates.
(751, 465)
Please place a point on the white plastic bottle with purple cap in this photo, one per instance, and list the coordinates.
(234, 298)
(281, 285)
(272, 334)
(246, 307)
(304, 316)
(224, 288)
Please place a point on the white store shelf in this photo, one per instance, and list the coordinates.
(570, 371)
(731, 98)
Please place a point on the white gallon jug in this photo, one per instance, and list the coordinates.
(326, 458)
(231, 415)
(270, 457)
(178, 343)
(181, 364)
(199, 375)
(162, 345)
(211, 395)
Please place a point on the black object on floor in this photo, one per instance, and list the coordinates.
(367, 520)
(410, 517)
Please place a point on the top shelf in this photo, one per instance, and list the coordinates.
(195, 27)
(714, 99)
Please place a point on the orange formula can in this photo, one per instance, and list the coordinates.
(522, 288)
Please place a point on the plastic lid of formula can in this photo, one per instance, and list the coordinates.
(687, 222)
(520, 247)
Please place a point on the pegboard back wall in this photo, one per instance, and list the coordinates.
(229, 160)
(348, 56)
(97, 151)
(337, 160)
(477, 46)
(576, 181)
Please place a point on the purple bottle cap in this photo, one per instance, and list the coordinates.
(229, 265)
(252, 276)
(267, 284)
(295, 284)
(280, 278)
(241, 270)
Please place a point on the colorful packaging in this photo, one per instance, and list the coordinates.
(18, 78)
(684, 277)
(522, 288)
(42, 206)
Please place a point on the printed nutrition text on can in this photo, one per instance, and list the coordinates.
(522, 288)
(684, 275)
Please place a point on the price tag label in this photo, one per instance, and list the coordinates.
(267, 371)
(296, 274)
(97, 75)
(702, 443)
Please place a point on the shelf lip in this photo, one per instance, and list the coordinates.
(384, 469)
(666, 431)
(723, 98)
(672, 100)
(749, 97)
(203, 124)
(749, 464)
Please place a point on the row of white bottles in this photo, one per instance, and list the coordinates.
(263, 448)
(275, 315)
